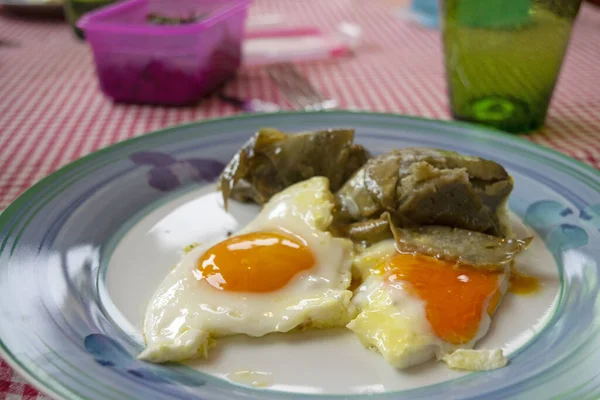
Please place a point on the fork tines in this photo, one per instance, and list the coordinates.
(297, 89)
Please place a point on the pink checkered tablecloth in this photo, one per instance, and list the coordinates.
(51, 111)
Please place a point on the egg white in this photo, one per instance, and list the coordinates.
(367, 259)
(185, 314)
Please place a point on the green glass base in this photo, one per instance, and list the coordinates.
(504, 113)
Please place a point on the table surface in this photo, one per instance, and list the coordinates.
(52, 112)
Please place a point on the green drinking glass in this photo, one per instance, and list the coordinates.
(503, 58)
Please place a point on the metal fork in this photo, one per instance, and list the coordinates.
(298, 91)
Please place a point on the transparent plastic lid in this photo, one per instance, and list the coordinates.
(160, 17)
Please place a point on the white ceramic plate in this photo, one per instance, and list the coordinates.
(82, 252)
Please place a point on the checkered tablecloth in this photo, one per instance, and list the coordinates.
(51, 111)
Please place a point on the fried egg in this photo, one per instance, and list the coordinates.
(282, 271)
(413, 308)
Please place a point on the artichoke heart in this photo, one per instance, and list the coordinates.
(272, 160)
(424, 186)
(446, 243)
(460, 246)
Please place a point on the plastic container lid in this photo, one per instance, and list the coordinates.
(130, 17)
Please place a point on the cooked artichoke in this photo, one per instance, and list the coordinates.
(459, 245)
(423, 186)
(272, 160)
(443, 242)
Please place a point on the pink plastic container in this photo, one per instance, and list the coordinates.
(141, 62)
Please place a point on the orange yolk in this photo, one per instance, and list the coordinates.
(254, 262)
(454, 295)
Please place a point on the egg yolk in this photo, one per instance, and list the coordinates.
(254, 262)
(454, 295)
